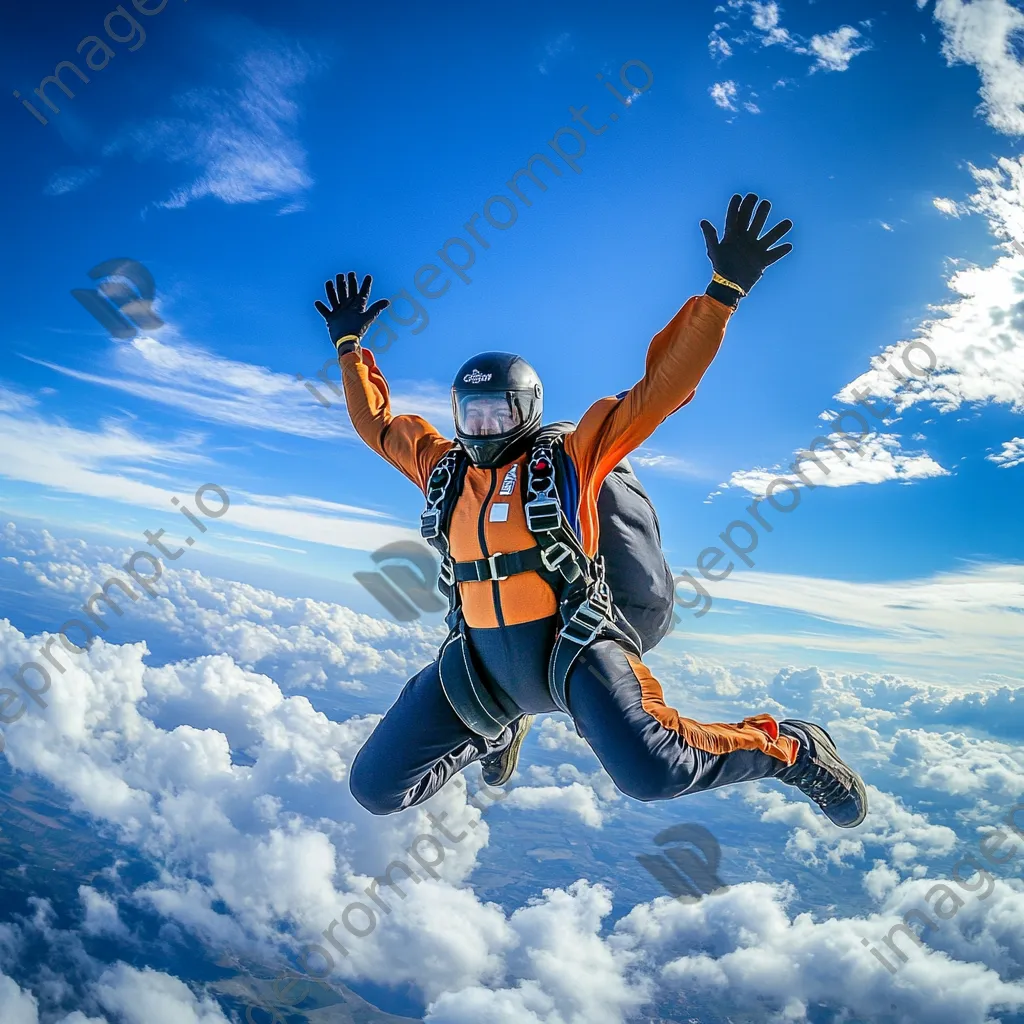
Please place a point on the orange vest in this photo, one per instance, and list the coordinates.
(487, 522)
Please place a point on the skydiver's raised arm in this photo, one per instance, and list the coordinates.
(678, 355)
(409, 443)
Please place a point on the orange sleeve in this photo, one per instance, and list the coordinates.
(612, 427)
(409, 443)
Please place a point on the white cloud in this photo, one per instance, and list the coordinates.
(976, 343)
(153, 751)
(563, 972)
(211, 387)
(983, 34)
(228, 784)
(742, 950)
(109, 462)
(54, 454)
(723, 94)
(1000, 198)
(16, 1005)
(718, 45)
(948, 206)
(765, 18)
(226, 831)
(831, 51)
(152, 997)
(905, 835)
(575, 798)
(835, 50)
(221, 831)
(1012, 454)
(951, 622)
(54, 970)
(305, 645)
(950, 762)
(671, 465)
(553, 734)
(69, 179)
(828, 51)
(875, 459)
(101, 916)
(979, 341)
(241, 142)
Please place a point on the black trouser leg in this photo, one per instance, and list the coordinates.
(415, 749)
(651, 751)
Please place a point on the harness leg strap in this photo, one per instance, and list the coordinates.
(481, 710)
(586, 625)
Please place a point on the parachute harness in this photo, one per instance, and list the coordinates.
(585, 601)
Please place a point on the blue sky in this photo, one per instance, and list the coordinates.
(243, 153)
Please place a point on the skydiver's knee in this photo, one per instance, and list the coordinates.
(650, 779)
(374, 801)
(364, 784)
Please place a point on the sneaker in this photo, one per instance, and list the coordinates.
(821, 774)
(498, 767)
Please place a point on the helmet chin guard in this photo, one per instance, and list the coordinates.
(497, 404)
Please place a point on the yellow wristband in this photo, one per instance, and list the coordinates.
(718, 279)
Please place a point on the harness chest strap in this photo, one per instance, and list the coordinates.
(499, 566)
(558, 555)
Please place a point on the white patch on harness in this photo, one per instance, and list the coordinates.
(499, 512)
(508, 485)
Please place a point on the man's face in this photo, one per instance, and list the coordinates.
(486, 415)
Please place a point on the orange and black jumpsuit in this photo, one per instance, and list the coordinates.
(649, 750)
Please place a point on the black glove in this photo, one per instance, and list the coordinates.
(741, 257)
(348, 319)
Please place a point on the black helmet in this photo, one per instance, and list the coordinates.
(497, 402)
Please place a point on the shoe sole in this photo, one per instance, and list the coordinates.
(512, 758)
(818, 734)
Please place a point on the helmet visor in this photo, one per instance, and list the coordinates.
(487, 414)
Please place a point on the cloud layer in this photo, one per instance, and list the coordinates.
(221, 770)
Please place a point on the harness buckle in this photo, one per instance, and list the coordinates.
(492, 564)
(584, 625)
(602, 599)
(553, 556)
(447, 573)
(542, 515)
(430, 523)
